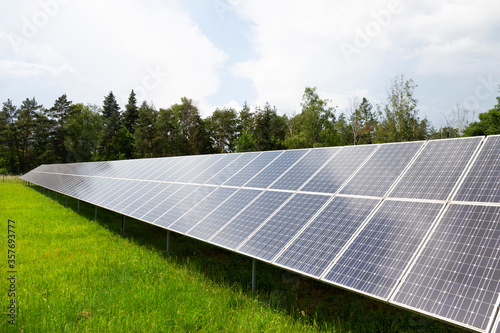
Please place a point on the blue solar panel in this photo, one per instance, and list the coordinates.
(266, 243)
(212, 170)
(437, 169)
(230, 170)
(313, 251)
(202, 209)
(252, 168)
(457, 275)
(294, 178)
(331, 177)
(482, 182)
(175, 196)
(216, 219)
(250, 219)
(380, 172)
(153, 198)
(165, 203)
(377, 258)
(204, 162)
(276, 168)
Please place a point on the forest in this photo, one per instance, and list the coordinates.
(31, 134)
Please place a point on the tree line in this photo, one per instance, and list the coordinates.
(31, 135)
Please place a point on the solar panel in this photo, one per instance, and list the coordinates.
(249, 219)
(496, 328)
(481, 183)
(279, 229)
(203, 162)
(152, 198)
(230, 170)
(436, 170)
(339, 169)
(215, 168)
(223, 214)
(457, 275)
(294, 178)
(382, 169)
(413, 248)
(276, 168)
(160, 211)
(376, 259)
(252, 168)
(186, 204)
(313, 251)
(202, 209)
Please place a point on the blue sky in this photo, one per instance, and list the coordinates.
(224, 52)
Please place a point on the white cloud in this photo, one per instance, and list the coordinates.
(151, 46)
(23, 69)
(298, 44)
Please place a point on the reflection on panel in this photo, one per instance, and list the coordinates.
(376, 177)
(321, 241)
(278, 230)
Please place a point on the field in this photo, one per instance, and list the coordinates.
(76, 274)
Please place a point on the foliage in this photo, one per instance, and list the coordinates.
(488, 124)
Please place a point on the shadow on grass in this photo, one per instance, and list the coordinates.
(324, 306)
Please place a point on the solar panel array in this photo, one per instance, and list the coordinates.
(416, 224)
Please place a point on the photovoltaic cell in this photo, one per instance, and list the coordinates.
(162, 209)
(215, 168)
(165, 204)
(482, 182)
(382, 169)
(496, 328)
(252, 168)
(230, 170)
(186, 204)
(279, 229)
(331, 177)
(185, 165)
(223, 214)
(202, 209)
(276, 168)
(457, 274)
(154, 198)
(294, 178)
(437, 169)
(203, 162)
(316, 247)
(250, 219)
(130, 191)
(378, 256)
(131, 203)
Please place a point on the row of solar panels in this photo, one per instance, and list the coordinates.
(374, 219)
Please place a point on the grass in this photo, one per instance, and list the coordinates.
(77, 274)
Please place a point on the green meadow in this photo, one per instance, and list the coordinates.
(75, 274)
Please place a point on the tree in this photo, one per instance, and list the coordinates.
(315, 125)
(458, 119)
(269, 131)
(110, 141)
(399, 118)
(60, 113)
(145, 133)
(223, 125)
(25, 126)
(131, 114)
(85, 130)
(488, 124)
(168, 133)
(9, 138)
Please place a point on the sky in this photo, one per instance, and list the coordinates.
(221, 53)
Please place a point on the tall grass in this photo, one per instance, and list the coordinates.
(77, 274)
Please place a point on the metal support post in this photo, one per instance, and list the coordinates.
(123, 224)
(95, 217)
(66, 202)
(168, 242)
(254, 263)
(78, 210)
